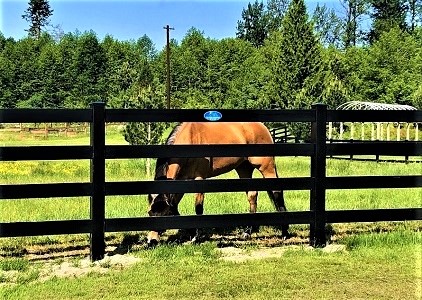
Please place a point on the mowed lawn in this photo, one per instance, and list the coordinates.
(387, 269)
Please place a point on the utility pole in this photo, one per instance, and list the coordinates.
(168, 28)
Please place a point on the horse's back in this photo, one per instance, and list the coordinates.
(223, 133)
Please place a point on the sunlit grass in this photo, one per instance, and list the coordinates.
(401, 237)
(380, 271)
(16, 138)
(134, 169)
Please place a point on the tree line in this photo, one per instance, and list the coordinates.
(281, 57)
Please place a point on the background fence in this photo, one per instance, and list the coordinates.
(97, 152)
(282, 135)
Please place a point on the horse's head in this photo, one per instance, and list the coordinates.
(162, 205)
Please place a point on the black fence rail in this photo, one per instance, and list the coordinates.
(375, 156)
(97, 188)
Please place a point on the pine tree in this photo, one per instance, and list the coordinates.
(299, 57)
(276, 9)
(147, 133)
(37, 14)
(254, 24)
(297, 64)
(386, 15)
(89, 65)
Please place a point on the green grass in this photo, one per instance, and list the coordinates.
(14, 264)
(380, 240)
(132, 170)
(13, 138)
(365, 271)
(131, 206)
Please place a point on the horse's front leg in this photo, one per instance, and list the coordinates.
(252, 198)
(199, 210)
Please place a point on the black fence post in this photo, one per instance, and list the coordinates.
(318, 164)
(406, 157)
(377, 156)
(97, 203)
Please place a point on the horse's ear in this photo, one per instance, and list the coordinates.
(150, 198)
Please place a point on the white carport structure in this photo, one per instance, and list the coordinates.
(377, 131)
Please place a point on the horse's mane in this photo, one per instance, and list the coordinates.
(162, 162)
(172, 136)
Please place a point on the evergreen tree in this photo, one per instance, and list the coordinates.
(254, 24)
(37, 15)
(276, 9)
(89, 65)
(297, 63)
(50, 93)
(297, 57)
(8, 70)
(148, 133)
(67, 75)
(27, 78)
(386, 14)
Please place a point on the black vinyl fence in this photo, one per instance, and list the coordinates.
(97, 189)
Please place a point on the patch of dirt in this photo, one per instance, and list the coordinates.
(72, 267)
(239, 255)
(84, 266)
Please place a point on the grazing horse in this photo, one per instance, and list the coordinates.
(202, 168)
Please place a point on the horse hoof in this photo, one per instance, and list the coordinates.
(285, 236)
(246, 236)
(152, 243)
(196, 239)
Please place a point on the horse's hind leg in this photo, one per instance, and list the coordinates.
(268, 170)
(278, 200)
(245, 170)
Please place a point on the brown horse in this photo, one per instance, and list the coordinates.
(202, 168)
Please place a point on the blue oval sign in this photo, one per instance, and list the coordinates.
(213, 115)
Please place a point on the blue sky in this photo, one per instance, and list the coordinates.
(131, 19)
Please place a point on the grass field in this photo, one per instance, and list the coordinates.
(381, 261)
(385, 266)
